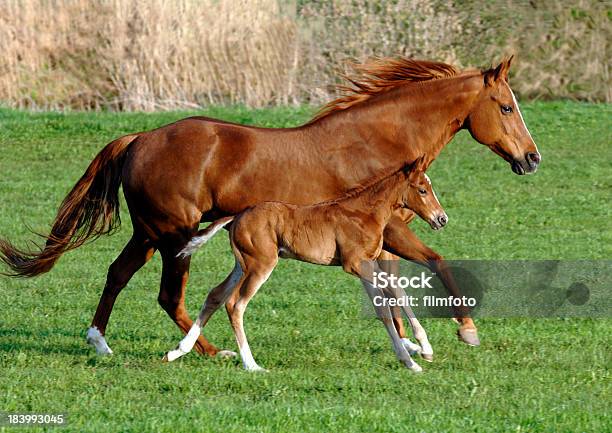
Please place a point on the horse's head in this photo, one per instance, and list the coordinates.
(496, 122)
(419, 197)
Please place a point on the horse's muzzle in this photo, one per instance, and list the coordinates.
(528, 165)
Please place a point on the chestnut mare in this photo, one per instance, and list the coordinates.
(346, 232)
(200, 169)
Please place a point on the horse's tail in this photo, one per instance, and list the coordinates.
(90, 210)
(204, 236)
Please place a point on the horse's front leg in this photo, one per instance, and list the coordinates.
(401, 241)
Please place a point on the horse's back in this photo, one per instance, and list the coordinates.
(165, 173)
(201, 169)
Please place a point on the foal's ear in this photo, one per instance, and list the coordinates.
(416, 168)
(426, 161)
(500, 72)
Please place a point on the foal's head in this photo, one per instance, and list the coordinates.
(496, 121)
(419, 197)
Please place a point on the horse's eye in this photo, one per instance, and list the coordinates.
(422, 191)
(506, 109)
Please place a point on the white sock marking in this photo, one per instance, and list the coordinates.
(412, 348)
(185, 345)
(247, 359)
(190, 339)
(97, 340)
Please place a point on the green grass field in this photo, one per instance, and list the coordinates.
(331, 368)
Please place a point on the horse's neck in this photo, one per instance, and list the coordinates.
(400, 126)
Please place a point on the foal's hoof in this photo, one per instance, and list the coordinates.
(256, 369)
(412, 348)
(411, 365)
(427, 356)
(415, 368)
(469, 336)
(226, 354)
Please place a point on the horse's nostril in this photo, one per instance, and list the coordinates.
(533, 157)
(442, 219)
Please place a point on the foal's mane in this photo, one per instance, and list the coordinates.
(381, 74)
(370, 183)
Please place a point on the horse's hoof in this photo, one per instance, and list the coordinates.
(469, 336)
(173, 355)
(97, 340)
(427, 356)
(226, 354)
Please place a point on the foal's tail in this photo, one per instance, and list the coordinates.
(204, 236)
(90, 210)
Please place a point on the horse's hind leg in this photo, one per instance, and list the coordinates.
(134, 255)
(214, 300)
(175, 273)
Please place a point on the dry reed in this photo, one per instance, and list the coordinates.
(156, 55)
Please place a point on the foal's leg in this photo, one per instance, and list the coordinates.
(382, 311)
(398, 239)
(389, 263)
(135, 254)
(256, 273)
(425, 349)
(214, 300)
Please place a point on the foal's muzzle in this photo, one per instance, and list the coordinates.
(527, 165)
(438, 221)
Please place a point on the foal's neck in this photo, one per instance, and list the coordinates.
(381, 198)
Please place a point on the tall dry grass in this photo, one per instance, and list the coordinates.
(563, 47)
(156, 54)
(146, 55)
(333, 31)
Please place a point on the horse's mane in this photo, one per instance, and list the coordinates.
(379, 75)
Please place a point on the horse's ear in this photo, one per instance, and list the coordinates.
(505, 68)
(500, 72)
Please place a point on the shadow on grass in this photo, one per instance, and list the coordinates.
(24, 340)
(65, 342)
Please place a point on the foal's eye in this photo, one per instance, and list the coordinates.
(422, 191)
(506, 109)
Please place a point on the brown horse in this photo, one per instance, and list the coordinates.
(346, 232)
(200, 169)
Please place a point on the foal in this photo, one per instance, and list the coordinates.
(347, 231)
